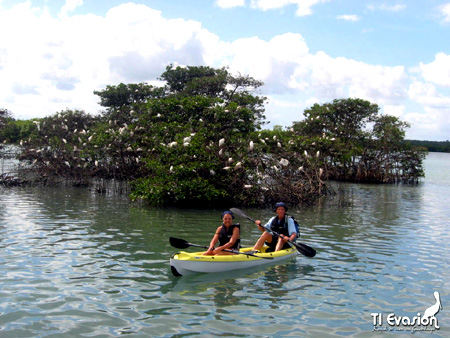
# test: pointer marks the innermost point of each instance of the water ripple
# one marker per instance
(75, 264)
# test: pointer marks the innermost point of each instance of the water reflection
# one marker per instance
(76, 263)
(274, 276)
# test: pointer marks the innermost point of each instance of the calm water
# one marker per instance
(77, 264)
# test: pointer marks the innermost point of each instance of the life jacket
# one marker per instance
(278, 226)
(282, 226)
(226, 234)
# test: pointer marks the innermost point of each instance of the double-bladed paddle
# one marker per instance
(302, 248)
(182, 244)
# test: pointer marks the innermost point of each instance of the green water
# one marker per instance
(77, 264)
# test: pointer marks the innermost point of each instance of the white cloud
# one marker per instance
(49, 63)
(273, 62)
(70, 6)
(395, 110)
(432, 124)
(388, 8)
(303, 6)
(230, 3)
(349, 17)
(289, 70)
(438, 71)
(341, 77)
(285, 65)
(393, 8)
(428, 95)
(65, 59)
(445, 12)
(284, 109)
(142, 42)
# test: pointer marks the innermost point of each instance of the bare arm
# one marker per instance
(260, 227)
(233, 239)
(213, 243)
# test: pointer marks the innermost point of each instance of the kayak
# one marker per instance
(187, 263)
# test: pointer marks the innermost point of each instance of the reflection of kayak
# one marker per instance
(186, 263)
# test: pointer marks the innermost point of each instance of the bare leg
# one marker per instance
(279, 244)
(265, 237)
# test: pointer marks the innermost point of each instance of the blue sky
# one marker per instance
(54, 54)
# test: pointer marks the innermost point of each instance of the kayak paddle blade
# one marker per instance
(179, 243)
(305, 249)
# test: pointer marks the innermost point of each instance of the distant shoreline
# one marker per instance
(432, 146)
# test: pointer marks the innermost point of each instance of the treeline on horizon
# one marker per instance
(431, 146)
(199, 140)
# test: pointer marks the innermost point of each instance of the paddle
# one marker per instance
(302, 248)
(182, 244)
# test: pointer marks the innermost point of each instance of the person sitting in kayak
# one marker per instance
(228, 236)
(277, 224)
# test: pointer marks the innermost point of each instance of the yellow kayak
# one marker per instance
(186, 263)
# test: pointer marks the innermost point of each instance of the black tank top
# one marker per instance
(226, 234)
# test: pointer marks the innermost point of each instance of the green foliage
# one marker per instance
(4, 116)
(194, 81)
(343, 118)
(197, 141)
(182, 186)
(55, 145)
(15, 130)
(231, 91)
(122, 100)
(184, 160)
(389, 132)
(359, 144)
(122, 95)
(185, 163)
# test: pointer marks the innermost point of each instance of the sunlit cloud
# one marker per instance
(445, 12)
(349, 17)
(388, 8)
(438, 71)
(230, 3)
(48, 64)
(304, 7)
(52, 62)
(428, 95)
(395, 110)
(70, 6)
